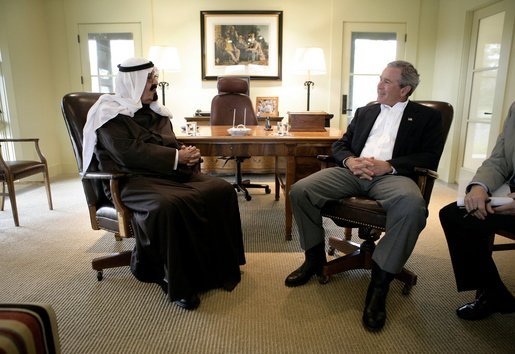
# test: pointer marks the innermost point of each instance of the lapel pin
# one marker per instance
(410, 119)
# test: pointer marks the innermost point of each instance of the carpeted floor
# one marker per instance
(47, 259)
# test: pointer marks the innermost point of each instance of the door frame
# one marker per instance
(85, 28)
(461, 174)
(378, 27)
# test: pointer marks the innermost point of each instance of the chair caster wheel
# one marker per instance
(100, 275)
(323, 279)
(268, 190)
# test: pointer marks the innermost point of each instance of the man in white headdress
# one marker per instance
(187, 225)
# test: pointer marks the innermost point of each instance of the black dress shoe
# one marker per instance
(302, 274)
(190, 303)
(374, 315)
(314, 263)
(485, 306)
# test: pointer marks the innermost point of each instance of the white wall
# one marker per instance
(39, 38)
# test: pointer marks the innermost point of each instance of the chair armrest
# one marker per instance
(326, 160)
(104, 175)
(425, 181)
(35, 141)
(420, 171)
(124, 214)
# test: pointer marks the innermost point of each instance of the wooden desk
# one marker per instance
(255, 165)
(299, 149)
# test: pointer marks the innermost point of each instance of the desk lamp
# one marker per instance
(166, 59)
(309, 61)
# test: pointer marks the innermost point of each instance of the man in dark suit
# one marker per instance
(468, 230)
(376, 158)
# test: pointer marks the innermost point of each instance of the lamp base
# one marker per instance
(163, 85)
(308, 83)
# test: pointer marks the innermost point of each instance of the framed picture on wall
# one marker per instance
(267, 106)
(241, 43)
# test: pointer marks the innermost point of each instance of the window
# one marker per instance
(367, 48)
(102, 48)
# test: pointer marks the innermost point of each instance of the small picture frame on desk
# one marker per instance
(267, 106)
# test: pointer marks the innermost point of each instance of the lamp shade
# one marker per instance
(165, 58)
(309, 61)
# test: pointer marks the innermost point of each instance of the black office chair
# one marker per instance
(228, 107)
(369, 217)
(103, 214)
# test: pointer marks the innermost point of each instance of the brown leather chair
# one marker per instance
(13, 170)
(369, 218)
(103, 214)
(232, 97)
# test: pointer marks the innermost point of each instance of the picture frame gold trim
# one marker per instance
(241, 43)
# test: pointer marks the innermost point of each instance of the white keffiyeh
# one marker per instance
(126, 101)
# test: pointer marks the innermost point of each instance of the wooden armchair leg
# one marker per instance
(14, 207)
(3, 197)
(48, 192)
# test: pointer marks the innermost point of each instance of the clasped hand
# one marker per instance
(189, 155)
(368, 167)
(476, 204)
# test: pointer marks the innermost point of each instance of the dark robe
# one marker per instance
(187, 225)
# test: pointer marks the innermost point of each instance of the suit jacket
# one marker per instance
(419, 143)
(499, 167)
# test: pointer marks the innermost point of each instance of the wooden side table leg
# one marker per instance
(290, 177)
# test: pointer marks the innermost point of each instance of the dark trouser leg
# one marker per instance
(468, 240)
(469, 246)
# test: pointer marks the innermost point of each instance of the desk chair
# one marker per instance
(369, 217)
(232, 97)
(11, 171)
(103, 214)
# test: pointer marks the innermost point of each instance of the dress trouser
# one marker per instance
(469, 246)
(405, 207)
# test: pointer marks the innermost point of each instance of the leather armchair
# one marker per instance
(104, 214)
(369, 217)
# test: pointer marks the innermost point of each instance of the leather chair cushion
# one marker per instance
(107, 218)
(361, 210)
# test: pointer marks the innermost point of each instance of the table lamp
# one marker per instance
(166, 59)
(309, 61)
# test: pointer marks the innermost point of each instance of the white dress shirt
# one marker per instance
(382, 137)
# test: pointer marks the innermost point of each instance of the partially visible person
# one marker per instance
(186, 224)
(376, 157)
(468, 230)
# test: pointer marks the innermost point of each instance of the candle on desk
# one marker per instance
(234, 117)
